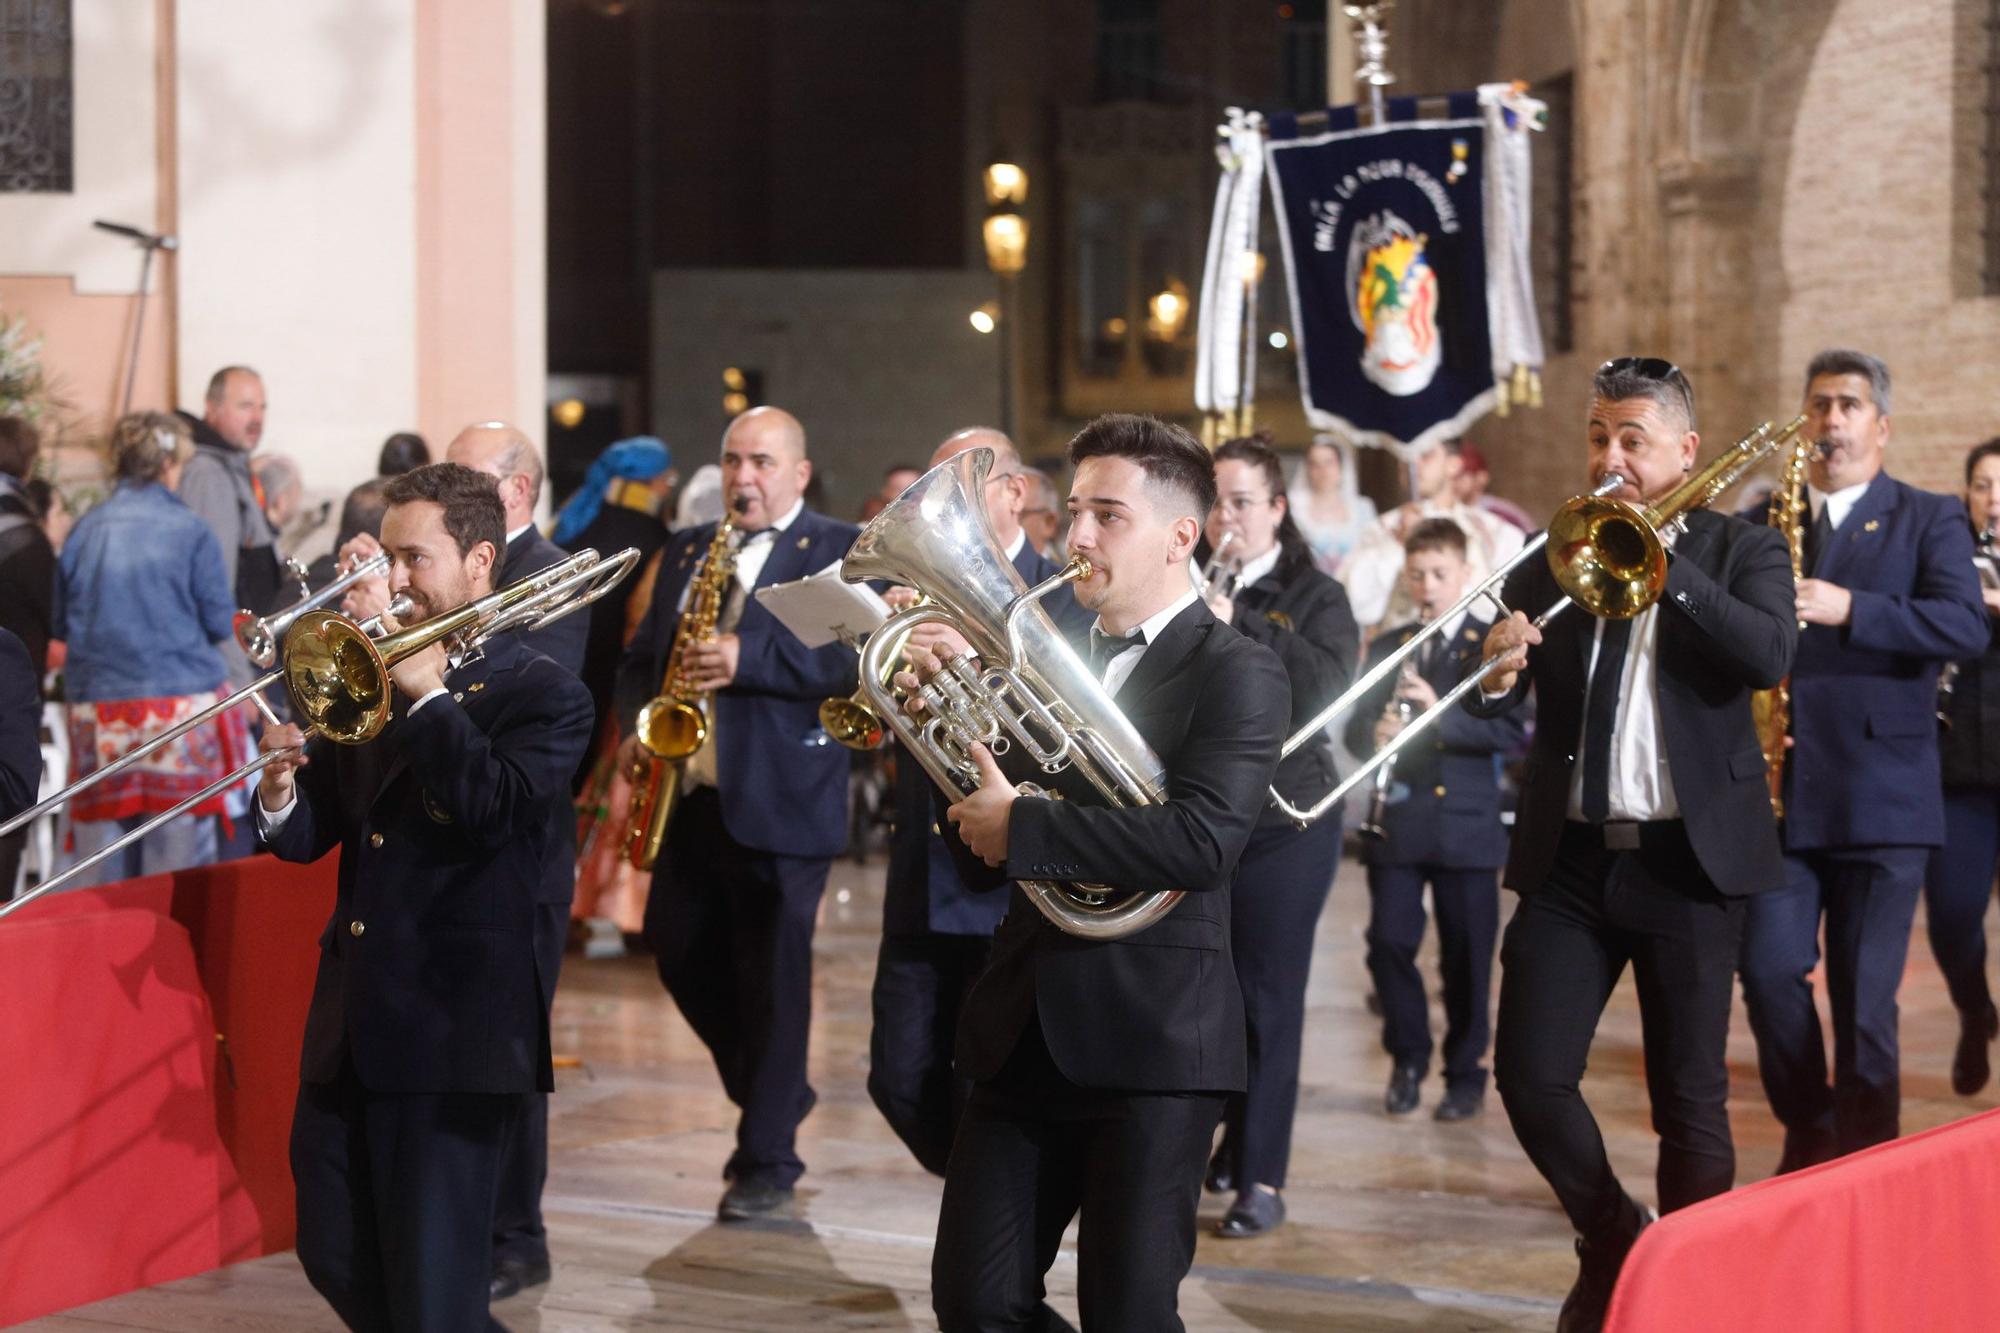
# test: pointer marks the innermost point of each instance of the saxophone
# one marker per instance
(1772, 708)
(674, 723)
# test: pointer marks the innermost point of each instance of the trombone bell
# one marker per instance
(1607, 557)
(337, 677)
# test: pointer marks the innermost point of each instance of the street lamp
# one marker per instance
(1006, 235)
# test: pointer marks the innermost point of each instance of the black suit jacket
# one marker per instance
(1444, 800)
(1728, 627)
(1301, 613)
(1159, 1010)
(923, 893)
(429, 975)
(1863, 770)
(562, 640)
(20, 730)
(783, 781)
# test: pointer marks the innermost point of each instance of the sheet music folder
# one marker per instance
(820, 609)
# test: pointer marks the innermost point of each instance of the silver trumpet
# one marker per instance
(261, 636)
(1029, 687)
(1218, 576)
(1372, 829)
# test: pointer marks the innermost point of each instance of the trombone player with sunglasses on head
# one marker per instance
(1644, 820)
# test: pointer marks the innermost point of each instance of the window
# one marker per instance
(1129, 51)
(35, 97)
(1302, 53)
(1551, 253)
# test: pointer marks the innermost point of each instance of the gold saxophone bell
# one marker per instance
(671, 728)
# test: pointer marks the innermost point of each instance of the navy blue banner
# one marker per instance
(1384, 233)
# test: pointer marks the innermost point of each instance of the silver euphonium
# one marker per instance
(1029, 686)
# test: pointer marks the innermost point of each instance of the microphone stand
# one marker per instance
(147, 243)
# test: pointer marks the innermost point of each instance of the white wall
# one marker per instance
(297, 190)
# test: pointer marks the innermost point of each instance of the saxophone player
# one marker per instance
(1100, 1066)
(1444, 831)
(763, 805)
(1889, 595)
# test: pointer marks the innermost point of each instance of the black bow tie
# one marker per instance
(1104, 647)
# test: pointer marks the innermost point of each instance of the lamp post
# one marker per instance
(1006, 235)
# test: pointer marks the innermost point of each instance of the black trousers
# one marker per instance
(920, 986)
(731, 930)
(395, 1202)
(1275, 897)
(1468, 921)
(1033, 1150)
(1868, 896)
(1564, 950)
(518, 1232)
(1958, 888)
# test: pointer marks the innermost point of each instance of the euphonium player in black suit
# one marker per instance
(429, 1025)
(1276, 595)
(1100, 1066)
(936, 931)
(1440, 827)
(1644, 823)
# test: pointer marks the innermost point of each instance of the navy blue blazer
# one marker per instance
(1444, 800)
(923, 894)
(1863, 770)
(20, 730)
(783, 781)
(430, 971)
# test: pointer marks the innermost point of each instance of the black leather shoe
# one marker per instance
(511, 1276)
(1969, 1069)
(1256, 1211)
(1807, 1147)
(747, 1199)
(1401, 1098)
(1461, 1104)
(1220, 1179)
(1598, 1260)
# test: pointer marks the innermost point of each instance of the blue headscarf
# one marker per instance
(640, 458)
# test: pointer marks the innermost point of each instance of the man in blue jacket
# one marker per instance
(763, 806)
(1889, 595)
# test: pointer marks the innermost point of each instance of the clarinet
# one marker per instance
(1372, 829)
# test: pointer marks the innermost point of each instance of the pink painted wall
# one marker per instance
(84, 340)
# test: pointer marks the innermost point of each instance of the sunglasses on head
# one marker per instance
(1649, 367)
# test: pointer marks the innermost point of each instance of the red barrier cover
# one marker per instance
(1901, 1236)
(151, 1055)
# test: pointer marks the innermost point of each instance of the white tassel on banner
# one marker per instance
(1223, 386)
(1516, 330)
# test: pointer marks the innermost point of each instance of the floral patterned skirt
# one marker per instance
(101, 732)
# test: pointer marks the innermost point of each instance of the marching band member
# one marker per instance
(429, 1028)
(935, 931)
(1890, 595)
(1958, 881)
(1446, 832)
(1644, 824)
(1278, 597)
(763, 809)
(1100, 1066)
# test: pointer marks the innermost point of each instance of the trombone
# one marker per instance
(260, 636)
(337, 677)
(1608, 556)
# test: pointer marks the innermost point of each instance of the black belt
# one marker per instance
(1629, 835)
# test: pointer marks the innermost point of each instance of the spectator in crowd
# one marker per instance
(1473, 479)
(1042, 516)
(52, 509)
(142, 601)
(700, 500)
(1325, 504)
(405, 451)
(896, 479)
(360, 513)
(27, 583)
(218, 487)
(1374, 571)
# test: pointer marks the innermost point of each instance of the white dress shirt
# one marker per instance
(757, 548)
(515, 533)
(1256, 569)
(1836, 504)
(1641, 785)
(1014, 547)
(1119, 669)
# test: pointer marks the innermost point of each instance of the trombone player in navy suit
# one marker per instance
(1645, 822)
(1100, 1066)
(429, 1025)
(935, 931)
(1890, 595)
(1278, 597)
(763, 809)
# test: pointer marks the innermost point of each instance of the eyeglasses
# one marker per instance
(1649, 367)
